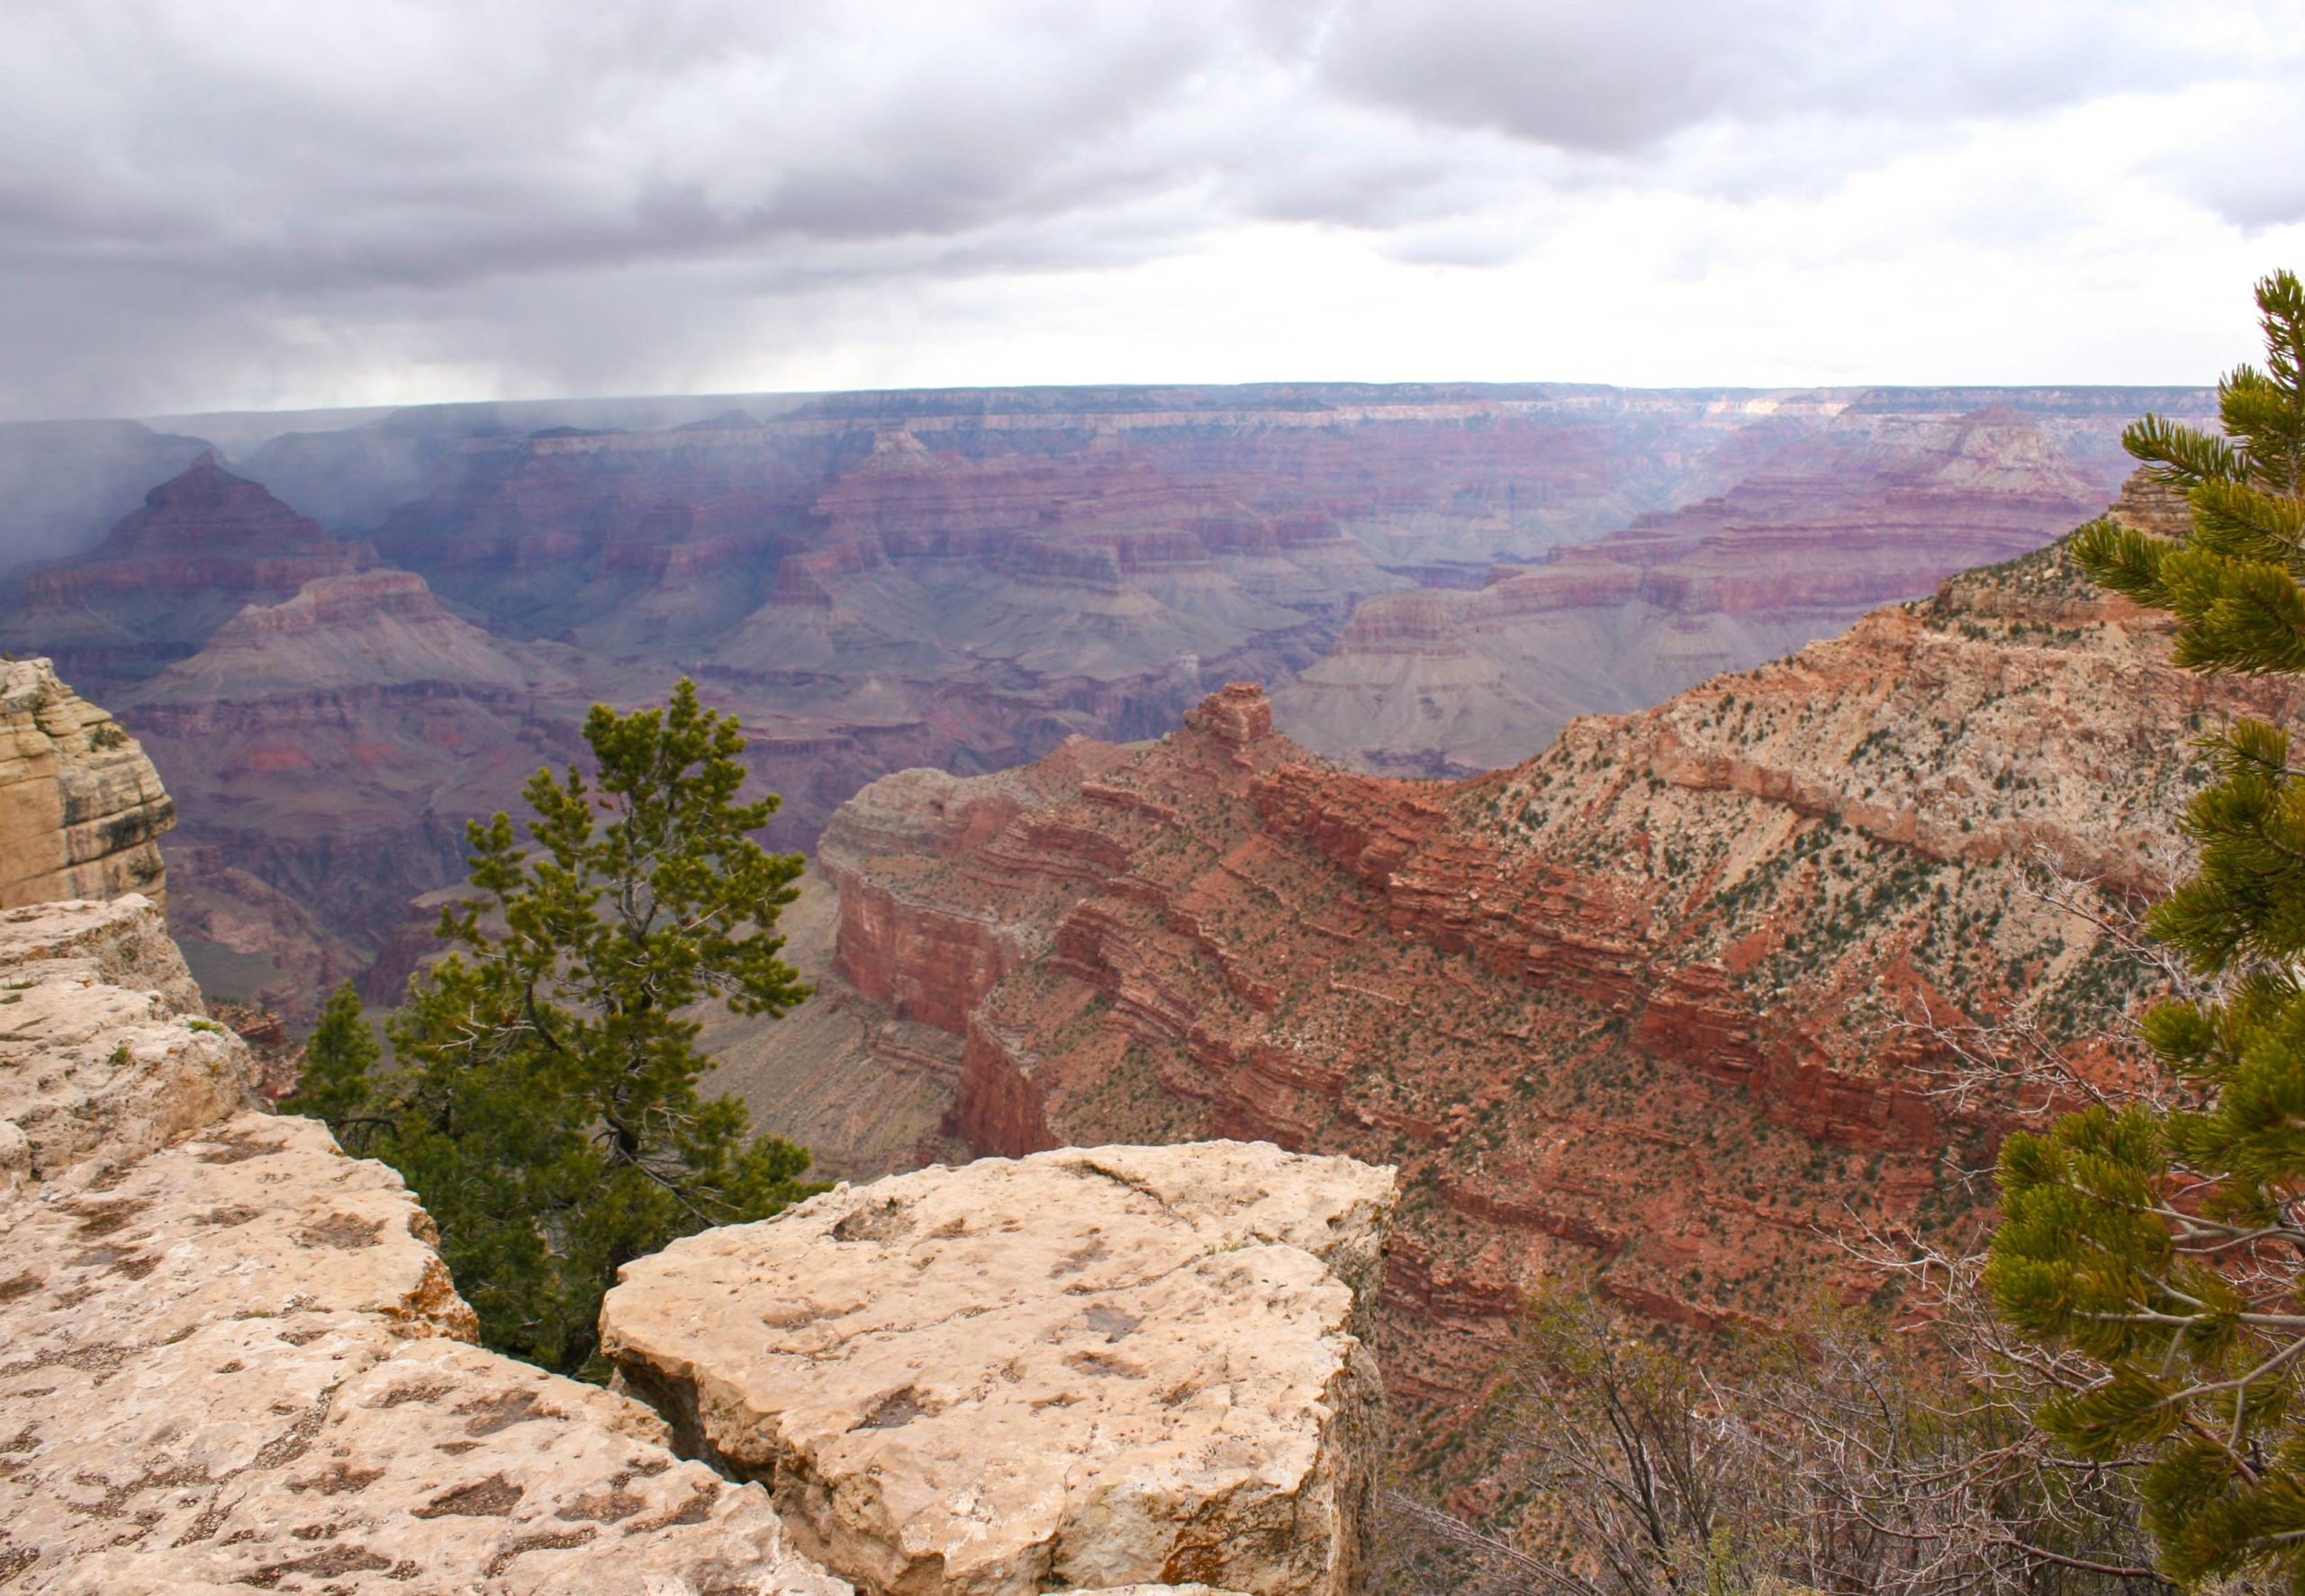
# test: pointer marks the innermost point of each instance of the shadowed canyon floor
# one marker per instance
(1639, 1011)
(359, 637)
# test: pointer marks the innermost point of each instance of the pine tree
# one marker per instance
(543, 1097)
(2159, 1253)
(339, 1058)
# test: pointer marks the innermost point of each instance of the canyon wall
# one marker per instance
(1653, 1009)
(1872, 508)
(204, 543)
(326, 751)
(964, 581)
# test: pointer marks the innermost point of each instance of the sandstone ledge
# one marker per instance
(234, 1360)
(1090, 1368)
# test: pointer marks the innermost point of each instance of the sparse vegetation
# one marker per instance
(1831, 1457)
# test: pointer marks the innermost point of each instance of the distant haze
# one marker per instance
(260, 206)
(64, 484)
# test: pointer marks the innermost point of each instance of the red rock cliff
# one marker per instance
(1637, 1010)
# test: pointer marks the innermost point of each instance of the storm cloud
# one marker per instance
(252, 204)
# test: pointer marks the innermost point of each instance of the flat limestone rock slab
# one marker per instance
(100, 1064)
(1089, 1367)
(232, 1358)
(321, 1451)
(122, 941)
(256, 1215)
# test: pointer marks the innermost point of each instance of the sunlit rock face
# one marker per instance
(81, 808)
(235, 1359)
(1089, 1367)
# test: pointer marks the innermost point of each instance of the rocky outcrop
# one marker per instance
(81, 808)
(920, 959)
(234, 1357)
(1653, 1009)
(1085, 1368)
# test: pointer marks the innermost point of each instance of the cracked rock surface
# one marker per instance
(231, 1360)
(1087, 1367)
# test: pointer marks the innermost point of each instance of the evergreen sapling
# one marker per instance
(543, 1095)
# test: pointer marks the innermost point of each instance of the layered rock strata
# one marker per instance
(328, 750)
(1666, 1008)
(922, 959)
(964, 580)
(81, 808)
(1088, 1368)
(234, 1358)
(204, 543)
(1874, 507)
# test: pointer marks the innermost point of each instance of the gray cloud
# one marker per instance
(1618, 77)
(202, 202)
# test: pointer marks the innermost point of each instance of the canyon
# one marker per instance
(1672, 1009)
(1669, 1003)
(1431, 577)
(236, 1358)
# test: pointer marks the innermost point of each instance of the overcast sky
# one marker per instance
(288, 202)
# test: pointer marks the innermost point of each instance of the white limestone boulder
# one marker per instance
(1087, 1367)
